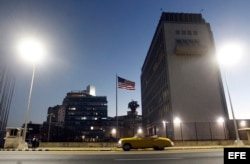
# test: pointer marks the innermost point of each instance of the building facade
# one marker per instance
(84, 114)
(128, 125)
(7, 83)
(181, 86)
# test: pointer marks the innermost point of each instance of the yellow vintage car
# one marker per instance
(136, 142)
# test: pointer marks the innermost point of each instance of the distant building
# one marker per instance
(129, 125)
(181, 85)
(56, 115)
(91, 90)
(81, 117)
(7, 83)
(84, 117)
(53, 128)
(33, 130)
(84, 114)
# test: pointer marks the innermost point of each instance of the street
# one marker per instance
(214, 156)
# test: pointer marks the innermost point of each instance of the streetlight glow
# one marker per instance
(113, 132)
(177, 120)
(220, 120)
(31, 49)
(139, 131)
(230, 53)
(243, 123)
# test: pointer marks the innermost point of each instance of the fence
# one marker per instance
(198, 131)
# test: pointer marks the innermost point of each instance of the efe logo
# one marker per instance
(239, 155)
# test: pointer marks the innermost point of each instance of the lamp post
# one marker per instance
(164, 124)
(238, 142)
(227, 56)
(31, 50)
(50, 116)
(28, 106)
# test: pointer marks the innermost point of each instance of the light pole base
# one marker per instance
(22, 145)
(239, 143)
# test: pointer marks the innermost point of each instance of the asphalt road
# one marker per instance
(214, 156)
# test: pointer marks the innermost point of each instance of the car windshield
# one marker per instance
(138, 136)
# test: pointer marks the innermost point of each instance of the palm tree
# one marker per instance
(133, 105)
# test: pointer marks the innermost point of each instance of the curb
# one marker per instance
(24, 149)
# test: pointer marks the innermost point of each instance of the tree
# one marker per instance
(133, 105)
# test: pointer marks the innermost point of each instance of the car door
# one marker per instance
(141, 142)
(147, 142)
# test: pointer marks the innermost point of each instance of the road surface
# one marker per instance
(214, 156)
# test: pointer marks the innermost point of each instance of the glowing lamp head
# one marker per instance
(31, 49)
(177, 120)
(230, 53)
(220, 120)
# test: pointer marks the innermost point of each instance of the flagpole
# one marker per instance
(116, 109)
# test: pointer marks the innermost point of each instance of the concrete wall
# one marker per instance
(77, 144)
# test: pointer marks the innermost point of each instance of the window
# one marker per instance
(83, 118)
(72, 108)
(13, 132)
(195, 33)
(196, 42)
(185, 42)
(178, 41)
(190, 42)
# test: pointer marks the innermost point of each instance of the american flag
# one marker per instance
(125, 84)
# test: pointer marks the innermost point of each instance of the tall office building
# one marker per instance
(85, 115)
(7, 83)
(181, 87)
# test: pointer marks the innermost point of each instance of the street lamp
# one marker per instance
(31, 50)
(50, 116)
(227, 56)
(220, 122)
(113, 132)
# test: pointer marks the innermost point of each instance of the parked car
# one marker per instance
(136, 142)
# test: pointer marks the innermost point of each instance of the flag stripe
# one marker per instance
(125, 84)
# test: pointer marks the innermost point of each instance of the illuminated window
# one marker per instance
(72, 108)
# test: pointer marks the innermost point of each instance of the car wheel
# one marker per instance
(160, 148)
(126, 147)
(156, 148)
